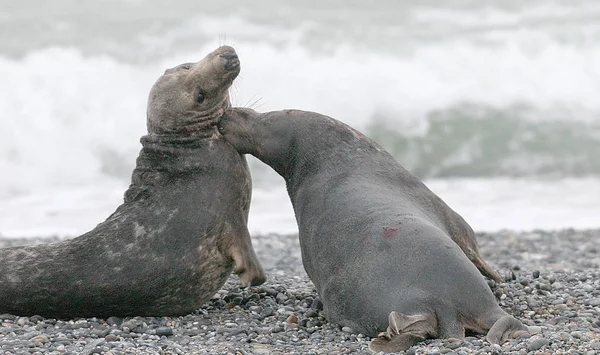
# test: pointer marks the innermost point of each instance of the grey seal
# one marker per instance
(387, 256)
(180, 231)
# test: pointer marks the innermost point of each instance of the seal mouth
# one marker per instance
(232, 61)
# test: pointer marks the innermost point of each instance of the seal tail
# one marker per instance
(487, 270)
(482, 266)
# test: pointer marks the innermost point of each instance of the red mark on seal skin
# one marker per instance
(390, 232)
(356, 133)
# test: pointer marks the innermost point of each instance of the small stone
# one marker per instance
(36, 318)
(593, 302)
(7, 316)
(291, 326)
(268, 290)
(166, 331)
(237, 331)
(276, 329)
(40, 338)
(22, 321)
(453, 343)
(534, 329)
(292, 319)
(311, 314)
(267, 312)
(495, 349)
(255, 309)
(111, 337)
(317, 305)
(347, 330)
(281, 297)
(114, 321)
(130, 324)
(536, 344)
(536, 274)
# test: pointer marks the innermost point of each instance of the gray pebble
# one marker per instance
(536, 344)
(593, 302)
(166, 331)
(114, 321)
(267, 312)
(555, 296)
(317, 304)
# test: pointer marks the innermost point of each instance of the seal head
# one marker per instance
(192, 96)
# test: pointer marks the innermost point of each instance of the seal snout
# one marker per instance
(231, 58)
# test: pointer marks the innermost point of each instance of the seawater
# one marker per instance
(493, 104)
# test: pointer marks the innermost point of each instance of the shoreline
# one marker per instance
(552, 285)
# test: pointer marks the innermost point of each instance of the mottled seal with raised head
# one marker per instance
(383, 251)
(180, 231)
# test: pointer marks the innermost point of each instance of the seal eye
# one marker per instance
(200, 98)
(185, 66)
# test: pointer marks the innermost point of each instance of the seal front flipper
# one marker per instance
(505, 328)
(247, 266)
(404, 331)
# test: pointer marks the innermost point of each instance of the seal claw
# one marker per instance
(505, 328)
(248, 268)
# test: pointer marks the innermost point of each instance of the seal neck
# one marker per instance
(177, 153)
(172, 158)
(180, 140)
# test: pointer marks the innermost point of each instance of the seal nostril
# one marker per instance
(228, 55)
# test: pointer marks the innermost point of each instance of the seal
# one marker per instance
(387, 256)
(180, 231)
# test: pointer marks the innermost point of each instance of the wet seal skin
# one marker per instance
(180, 231)
(387, 256)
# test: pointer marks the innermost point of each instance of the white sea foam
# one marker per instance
(68, 118)
(487, 205)
(71, 115)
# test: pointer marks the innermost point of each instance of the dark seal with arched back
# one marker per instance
(180, 231)
(384, 252)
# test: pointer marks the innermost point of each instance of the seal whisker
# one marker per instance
(222, 39)
(247, 104)
(254, 105)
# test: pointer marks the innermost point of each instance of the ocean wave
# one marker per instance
(475, 140)
(68, 119)
(71, 117)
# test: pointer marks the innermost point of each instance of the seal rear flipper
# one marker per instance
(404, 331)
(505, 328)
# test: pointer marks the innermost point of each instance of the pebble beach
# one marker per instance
(552, 285)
